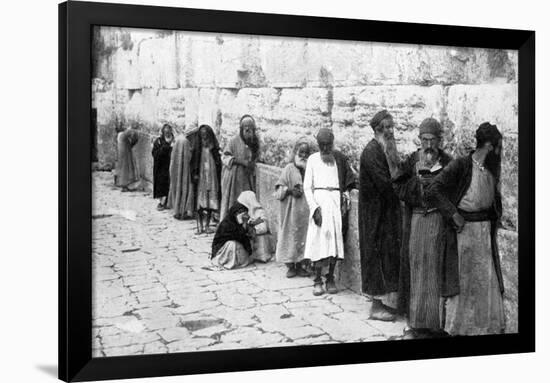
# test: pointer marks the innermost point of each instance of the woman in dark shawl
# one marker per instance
(162, 149)
(231, 247)
(206, 168)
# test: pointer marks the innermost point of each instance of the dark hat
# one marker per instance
(378, 117)
(325, 134)
(431, 126)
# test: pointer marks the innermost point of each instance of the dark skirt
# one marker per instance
(161, 168)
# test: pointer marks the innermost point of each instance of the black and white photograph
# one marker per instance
(275, 192)
(257, 191)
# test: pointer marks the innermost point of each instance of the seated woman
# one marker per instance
(262, 245)
(231, 247)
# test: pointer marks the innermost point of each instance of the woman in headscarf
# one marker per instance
(181, 196)
(262, 245)
(127, 172)
(162, 149)
(231, 247)
(206, 168)
(239, 163)
(294, 213)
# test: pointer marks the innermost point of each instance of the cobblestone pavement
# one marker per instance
(153, 291)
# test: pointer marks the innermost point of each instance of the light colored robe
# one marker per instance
(181, 196)
(293, 217)
(127, 170)
(235, 178)
(327, 240)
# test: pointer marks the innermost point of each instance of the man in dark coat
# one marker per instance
(423, 238)
(467, 194)
(379, 219)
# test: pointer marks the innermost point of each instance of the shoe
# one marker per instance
(318, 289)
(383, 316)
(160, 207)
(331, 286)
(301, 271)
(291, 272)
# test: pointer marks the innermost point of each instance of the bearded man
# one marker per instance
(328, 181)
(467, 192)
(424, 233)
(294, 212)
(380, 219)
(239, 164)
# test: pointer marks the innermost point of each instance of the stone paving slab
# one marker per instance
(155, 291)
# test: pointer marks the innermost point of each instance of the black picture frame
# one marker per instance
(76, 20)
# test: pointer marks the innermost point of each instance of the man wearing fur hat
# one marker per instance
(424, 233)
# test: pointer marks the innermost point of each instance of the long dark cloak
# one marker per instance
(161, 167)
(379, 223)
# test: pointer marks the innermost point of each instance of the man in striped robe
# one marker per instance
(424, 229)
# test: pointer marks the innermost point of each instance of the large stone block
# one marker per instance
(468, 106)
(304, 108)
(350, 63)
(156, 58)
(409, 105)
(205, 59)
(126, 74)
(171, 107)
(336, 63)
(508, 248)
(142, 107)
(184, 58)
(208, 107)
(283, 61)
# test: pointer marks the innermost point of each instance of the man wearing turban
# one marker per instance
(379, 219)
(327, 182)
(424, 231)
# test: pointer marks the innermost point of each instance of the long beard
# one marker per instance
(328, 159)
(429, 157)
(390, 151)
(492, 162)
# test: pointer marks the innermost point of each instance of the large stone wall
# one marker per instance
(294, 86)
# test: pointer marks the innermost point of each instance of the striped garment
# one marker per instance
(425, 247)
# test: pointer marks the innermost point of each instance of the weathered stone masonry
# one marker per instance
(294, 86)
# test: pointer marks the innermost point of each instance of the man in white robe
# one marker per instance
(324, 240)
